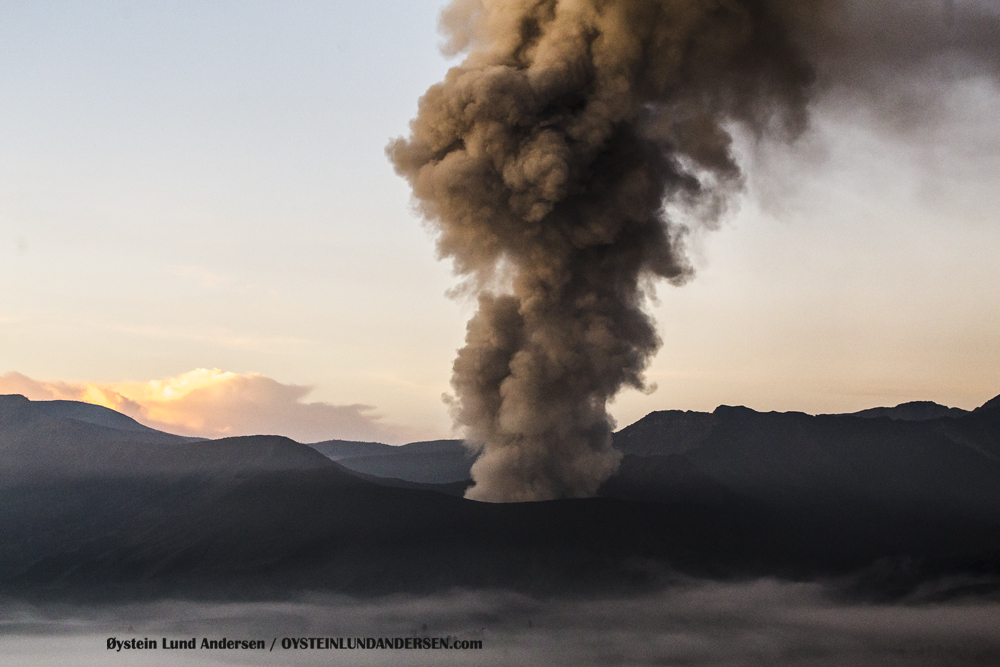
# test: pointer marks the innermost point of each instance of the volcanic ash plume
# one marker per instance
(548, 161)
(545, 160)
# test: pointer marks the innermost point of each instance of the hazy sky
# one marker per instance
(203, 185)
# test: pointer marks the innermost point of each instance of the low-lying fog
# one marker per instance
(756, 623)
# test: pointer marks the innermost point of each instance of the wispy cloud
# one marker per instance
(208, 279)
(215, 336)
(214, 403)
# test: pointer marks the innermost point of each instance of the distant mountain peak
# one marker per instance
(732, 408)
(12, 406)
(992, 404)
(912, 411)
(17, 409)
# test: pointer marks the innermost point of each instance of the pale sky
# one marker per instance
(203, 185)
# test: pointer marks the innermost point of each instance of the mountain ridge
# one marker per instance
(887, 503)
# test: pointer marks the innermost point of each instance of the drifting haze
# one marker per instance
(710, 625)
(558, 162)
(213, 403)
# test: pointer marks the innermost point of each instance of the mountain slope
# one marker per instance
(913, 411)
(85, 511)
(431, 462)
(945, 465)
(18, 413)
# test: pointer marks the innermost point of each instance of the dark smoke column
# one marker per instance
(546, 161)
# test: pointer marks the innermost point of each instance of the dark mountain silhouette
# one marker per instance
(945, 465)
(665, 433)
(431, 462)
(658, 434)
(100, 511)
(343, 450)
(85, 413)
(990, 405)
(89, 413)
(88, 513)
(913, 411)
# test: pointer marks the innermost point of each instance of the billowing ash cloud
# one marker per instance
(550, 159)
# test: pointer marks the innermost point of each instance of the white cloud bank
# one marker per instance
(214, 403)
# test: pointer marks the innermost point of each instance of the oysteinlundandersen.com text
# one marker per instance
(296, 643)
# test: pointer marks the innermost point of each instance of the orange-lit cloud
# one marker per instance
(214, 403)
